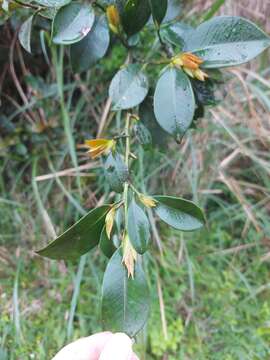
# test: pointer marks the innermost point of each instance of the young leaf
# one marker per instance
(138, 228)
(106, 245)
(125, 301)
(227, 41)
(135, 15)
(174, 102)
(72, 23)
(116, 172)
(128, 88)
(158, 9)
(25, 34)
(79, 238)
(179, 213)
(93, 47)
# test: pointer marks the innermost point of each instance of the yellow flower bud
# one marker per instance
(147, 201)
(129, 257)
(109, 221)
(113, 18)
(190, 63)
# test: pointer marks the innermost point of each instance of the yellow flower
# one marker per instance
(129, 257)
(99, 146)
(190, 63)
(109, 221)
(113, 18)
(147, 201)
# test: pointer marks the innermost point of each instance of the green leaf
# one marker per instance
(106, 245)
(92, 48)
(158, 9)
(25, 34)
(53, 3)
(125, 302)
(116, 172)
(227, 41)
(128, 88)
(174, 102)
(138, 228)
(179, 213)
(79, 238)
(135, 15)
(72, 23)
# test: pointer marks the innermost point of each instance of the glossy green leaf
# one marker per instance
(106, 245)
(128, 88)
(25, 34)
(116, 172)
(227, 41)
(179, 213)
(138, 228)
(135, 15)
(174, 102)
(92, 48)
(72, 23)
(79, 238)
(158, 9)
(53, 3)
(125, 301)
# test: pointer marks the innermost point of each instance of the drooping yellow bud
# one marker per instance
(190, 63)
(147, 201)
(98, 147)
(109, 221)
(129, 257)
(113, 18)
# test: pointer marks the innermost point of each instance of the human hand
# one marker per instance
(101, 346)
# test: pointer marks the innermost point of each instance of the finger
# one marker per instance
(118, 347)
(134, 357)
(88, 348)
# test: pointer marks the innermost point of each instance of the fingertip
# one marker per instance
(118, 347)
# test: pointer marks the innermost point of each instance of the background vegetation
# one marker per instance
(210, 290)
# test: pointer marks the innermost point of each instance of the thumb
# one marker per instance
(119, 347)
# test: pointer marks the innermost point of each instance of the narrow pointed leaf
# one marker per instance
(79, 238)
(179, 213)
(125, 301)
(138, 228)
(158, 9)
(128, 88)
(174, 102)
(227, 41)
(92, 48)
(25, 34)
(72, 23)
(116, 172)
(106, 245)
